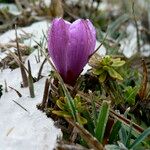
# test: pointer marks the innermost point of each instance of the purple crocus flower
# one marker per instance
(70, 45)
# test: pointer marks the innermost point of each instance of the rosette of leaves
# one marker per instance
(64, 110)
(107, 67)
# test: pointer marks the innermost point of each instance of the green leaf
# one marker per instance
(106, 60)
(61, 113)
(103, 76)
(118, 63)
(102, 120)
(113, 73)
(140, 138)
(129, 136)
(98, 71)
(123, 134)
(69, 99)
(81, 120)
(90, 121)
(113, 27)
(130, 94)
(114, 147)
(60, 104)
(114, 133)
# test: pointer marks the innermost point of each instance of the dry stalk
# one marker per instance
(143, 90)
(36, 59)
(6, 89)
(20, 106)
(45, 95)
(137, 29)
(40, 70)
(30, 81)
(23, 72)
(56, 8)
(18, 93)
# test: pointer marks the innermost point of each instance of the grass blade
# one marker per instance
(102, 120)
(114, 133)
(123, 134)
(113, 27)
(140, 138)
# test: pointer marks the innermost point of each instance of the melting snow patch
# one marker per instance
(22, 130)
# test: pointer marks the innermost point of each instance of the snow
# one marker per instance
(145, 50)
(20, 129)
(25, 130)
(47, 2)
(128, 45)
(36, 31)
(12, 8)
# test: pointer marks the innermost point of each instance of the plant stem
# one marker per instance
(23, 72)
(30, 81)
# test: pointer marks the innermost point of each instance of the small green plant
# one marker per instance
(66, 112)
(107, 67)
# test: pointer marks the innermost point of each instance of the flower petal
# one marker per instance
(82, 40)
(57, 44)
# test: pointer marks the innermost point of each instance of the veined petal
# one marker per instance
(82, 39)
(92, 36)
(58, 37)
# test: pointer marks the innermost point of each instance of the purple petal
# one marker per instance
(57, 44)
(92, 35)
(82, 39)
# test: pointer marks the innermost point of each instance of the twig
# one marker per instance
(20, 106)
(30, 81)
(38, 55)
(56, 8)
(6, 89)
(61, 146)
(9, 131)
(45, 36)
(99, 46)
(142, 92)
(137, 29)
(68, 12)
(23, 73)
(45, 95)
(36, 59)
(17, 60)
(40, 70)
(13, 44)
(19, 94)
